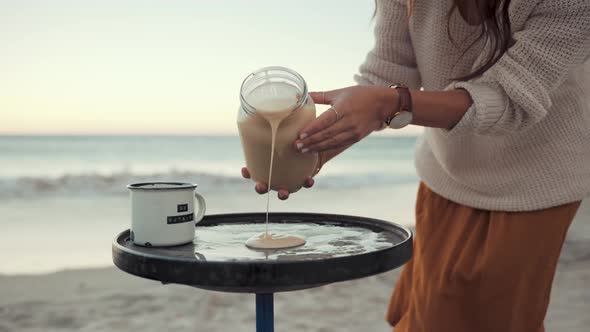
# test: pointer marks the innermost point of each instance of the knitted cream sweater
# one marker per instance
(525, 142)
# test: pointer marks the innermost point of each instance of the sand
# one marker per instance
(106, 299)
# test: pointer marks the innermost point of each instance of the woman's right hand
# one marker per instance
(283, 194)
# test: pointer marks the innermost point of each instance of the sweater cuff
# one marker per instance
(489, 104)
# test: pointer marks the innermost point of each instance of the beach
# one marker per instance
(98, 95)
(106, 299)
(56, 271)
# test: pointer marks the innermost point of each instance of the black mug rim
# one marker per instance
(181, 185)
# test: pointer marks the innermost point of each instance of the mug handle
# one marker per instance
(202, 207)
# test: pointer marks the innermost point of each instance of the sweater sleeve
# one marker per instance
(515, 93)
(392, 59)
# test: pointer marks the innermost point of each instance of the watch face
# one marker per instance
(401, 120)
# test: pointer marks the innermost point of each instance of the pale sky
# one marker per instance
(164, 67)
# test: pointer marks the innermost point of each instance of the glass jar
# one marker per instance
(275, 95)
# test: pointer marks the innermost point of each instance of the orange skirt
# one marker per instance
(476, 270)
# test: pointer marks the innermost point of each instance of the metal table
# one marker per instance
(338, 248)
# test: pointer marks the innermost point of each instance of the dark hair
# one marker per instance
(493, 18)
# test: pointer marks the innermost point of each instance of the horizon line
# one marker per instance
(161, 135)
(8, 135)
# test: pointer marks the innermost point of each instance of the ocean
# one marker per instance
(63, 198)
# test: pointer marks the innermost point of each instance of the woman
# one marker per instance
(505, 156)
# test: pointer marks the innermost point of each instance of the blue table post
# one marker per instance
(265, 321)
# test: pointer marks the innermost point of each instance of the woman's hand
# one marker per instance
(283, 194)
(356, 112)
(359, 111)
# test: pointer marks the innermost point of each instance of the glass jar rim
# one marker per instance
(249, 109)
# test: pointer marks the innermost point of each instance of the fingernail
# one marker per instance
(303, 136)
(304, 150)
(299, 146)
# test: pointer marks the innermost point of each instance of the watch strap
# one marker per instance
(405, 98)
(404, 101)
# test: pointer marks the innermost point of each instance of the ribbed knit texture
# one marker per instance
(525, 142)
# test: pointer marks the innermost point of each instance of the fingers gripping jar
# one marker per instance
(275, 101)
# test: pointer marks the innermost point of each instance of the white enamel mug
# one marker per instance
(163, 213)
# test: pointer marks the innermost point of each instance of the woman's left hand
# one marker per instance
(356, 112)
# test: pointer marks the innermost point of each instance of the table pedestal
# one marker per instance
(264, 313)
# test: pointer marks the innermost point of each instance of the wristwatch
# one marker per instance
(403, 115)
